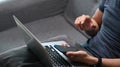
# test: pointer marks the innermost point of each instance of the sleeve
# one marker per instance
(101, 5)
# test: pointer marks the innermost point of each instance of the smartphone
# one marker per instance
(65, 49)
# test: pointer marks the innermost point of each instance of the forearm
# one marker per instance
(106, 62)
(98, 17)
(84, 57)
(110, 62)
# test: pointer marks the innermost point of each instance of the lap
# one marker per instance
(23, 57)
(19, 57)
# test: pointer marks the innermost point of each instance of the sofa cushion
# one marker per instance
(28, 10)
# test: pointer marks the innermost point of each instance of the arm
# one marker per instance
(84, 57)
(98, 17)
(110, 62)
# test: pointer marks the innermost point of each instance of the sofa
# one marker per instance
(45, 19)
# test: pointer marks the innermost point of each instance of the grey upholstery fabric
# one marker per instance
(28, 10)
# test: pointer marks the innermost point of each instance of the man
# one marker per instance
(104, 28)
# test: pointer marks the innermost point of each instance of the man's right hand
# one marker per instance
(85, 23)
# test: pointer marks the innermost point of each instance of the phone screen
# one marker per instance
(65, 49)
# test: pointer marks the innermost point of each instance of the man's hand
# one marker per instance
(85, 23)
(82, 56)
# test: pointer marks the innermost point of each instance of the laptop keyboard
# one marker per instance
(55, 57)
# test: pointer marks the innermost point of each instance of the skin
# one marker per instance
(91, 26)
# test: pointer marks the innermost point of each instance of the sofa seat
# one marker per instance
(42, 29)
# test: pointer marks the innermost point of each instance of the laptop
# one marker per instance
(46, 52)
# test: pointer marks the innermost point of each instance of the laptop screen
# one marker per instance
(34, 44)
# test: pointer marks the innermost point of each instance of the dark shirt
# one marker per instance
(107, 41)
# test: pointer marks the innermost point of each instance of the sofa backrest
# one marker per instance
(28, 10)
(77, 8)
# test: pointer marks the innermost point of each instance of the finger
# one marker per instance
(65, 44)
(77, 22)
(76, 54)
(71, 53)
(86, 21)
(83, 22)
(83, 19)
(82, 25)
